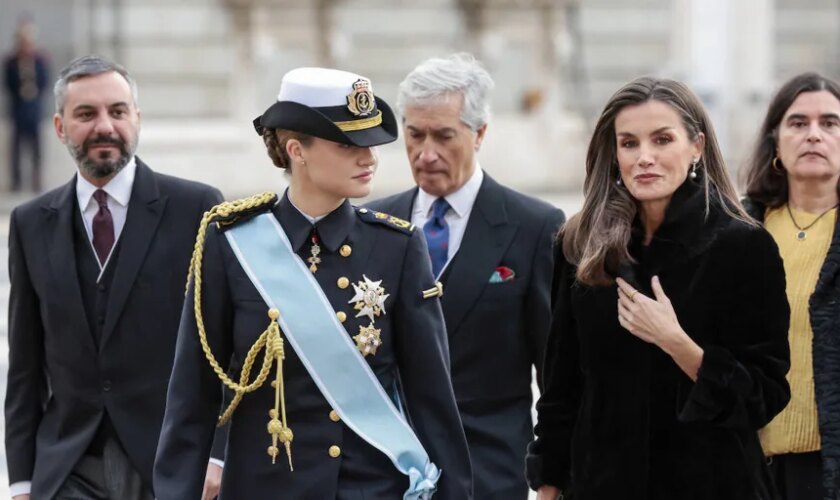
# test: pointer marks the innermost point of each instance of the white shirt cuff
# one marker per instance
(20, 488)
(220, 463)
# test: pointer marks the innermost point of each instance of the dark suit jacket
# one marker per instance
(497, 331)
(59, 385)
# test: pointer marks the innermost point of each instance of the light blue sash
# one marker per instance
(326, 350)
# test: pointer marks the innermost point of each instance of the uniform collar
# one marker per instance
(118, 188)
(333, 228)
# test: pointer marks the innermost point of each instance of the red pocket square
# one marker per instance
(502, 274)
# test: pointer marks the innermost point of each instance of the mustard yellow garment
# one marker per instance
(795, 429)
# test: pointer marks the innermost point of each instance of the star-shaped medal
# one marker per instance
(368, 340)
(369, 299)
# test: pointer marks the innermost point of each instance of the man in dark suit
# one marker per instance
(25, 79)
(491, 247)
(97, 269)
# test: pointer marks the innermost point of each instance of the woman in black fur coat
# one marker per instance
(668, 349)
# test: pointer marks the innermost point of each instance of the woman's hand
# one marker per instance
(654, 320)
(548, 492)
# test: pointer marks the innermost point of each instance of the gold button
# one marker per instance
(334, 416)
(343, 282)
(345, 250)
(335, 451)
(342, 316)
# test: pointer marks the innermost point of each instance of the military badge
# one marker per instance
(361, 102)
(403, 224)
(369, 299)
(314, 251)
(368, 340)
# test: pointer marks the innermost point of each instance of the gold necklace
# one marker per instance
(801, 235)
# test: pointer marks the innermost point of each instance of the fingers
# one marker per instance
(624, 317)
(658, 292)
(625, 288)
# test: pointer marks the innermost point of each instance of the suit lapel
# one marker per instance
(486, 239)
(58, 230)
(404, 205)
(145, 211)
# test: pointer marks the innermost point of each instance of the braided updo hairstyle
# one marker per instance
(275, 143)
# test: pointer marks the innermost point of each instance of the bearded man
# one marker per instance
(97, 269)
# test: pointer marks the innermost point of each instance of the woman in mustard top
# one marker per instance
(792, 186)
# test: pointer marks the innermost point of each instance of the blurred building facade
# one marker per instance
(205, 68)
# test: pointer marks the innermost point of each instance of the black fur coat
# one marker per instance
(618, 418)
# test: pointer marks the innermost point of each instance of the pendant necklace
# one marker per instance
(802, 234)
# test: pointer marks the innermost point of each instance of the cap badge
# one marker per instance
(361, 102)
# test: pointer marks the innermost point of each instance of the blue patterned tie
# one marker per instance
(436, 231)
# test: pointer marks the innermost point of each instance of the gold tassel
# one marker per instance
(270, 339)
(278, 429)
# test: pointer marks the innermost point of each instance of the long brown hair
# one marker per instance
(596, 239)
(765, 183)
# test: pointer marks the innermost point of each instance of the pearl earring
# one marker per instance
(693, 173)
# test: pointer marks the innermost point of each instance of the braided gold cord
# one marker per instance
(270, 339)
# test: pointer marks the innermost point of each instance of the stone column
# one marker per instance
(753, 46)
(724, 51)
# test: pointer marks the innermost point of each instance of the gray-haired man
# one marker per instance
(491, 247)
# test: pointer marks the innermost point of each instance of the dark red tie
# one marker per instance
(103, 227)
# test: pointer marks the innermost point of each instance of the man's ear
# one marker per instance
(58, 124)
(479, 136)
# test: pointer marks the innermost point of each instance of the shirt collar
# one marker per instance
(461, 200)
(333, 228)
(118, 188)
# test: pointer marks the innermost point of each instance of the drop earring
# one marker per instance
(693, 173)
(618, 181)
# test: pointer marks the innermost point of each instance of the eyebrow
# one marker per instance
(800, 116)
(443, 130)
(657, 131)
(90, 106)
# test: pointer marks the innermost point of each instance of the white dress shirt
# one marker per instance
(461, 201)
(312, 220)
(118, 190)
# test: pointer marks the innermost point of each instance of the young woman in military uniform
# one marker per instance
(332, 312)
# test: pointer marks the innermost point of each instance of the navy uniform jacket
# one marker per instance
(413, 356)
(497, 331)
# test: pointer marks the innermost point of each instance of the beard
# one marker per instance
(105, 164)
